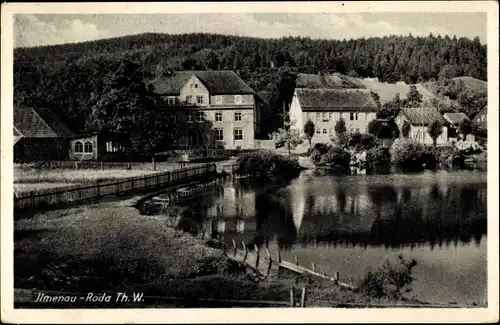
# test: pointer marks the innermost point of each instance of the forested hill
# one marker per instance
(64, 76)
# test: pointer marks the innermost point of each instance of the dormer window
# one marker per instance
(237, 99)
(171, 100)
(189, 99)
(218, 99)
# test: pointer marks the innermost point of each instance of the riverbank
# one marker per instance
(108, 247)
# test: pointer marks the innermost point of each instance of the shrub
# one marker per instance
(362, 141)
(378, 156)
(267, 163)
(391, 280)
(336, 156)
(407, 153)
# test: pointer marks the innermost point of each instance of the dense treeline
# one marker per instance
(68, 77)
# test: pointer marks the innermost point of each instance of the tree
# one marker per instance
(125, 104)
(405, 130)
(309, 131)
(340, 128)
(413, 98)
(435, 130)
(289, 137)
(373, 127)
(466, 127)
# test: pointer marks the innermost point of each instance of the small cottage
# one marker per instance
(420, 118)
(107, 146)
(39, 135)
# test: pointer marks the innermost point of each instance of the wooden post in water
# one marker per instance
(292, 304)
(303, 298)
(235, 247)
(313, 267)
(296, 259)
(268, 255)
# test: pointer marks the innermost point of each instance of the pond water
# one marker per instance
(351, 223)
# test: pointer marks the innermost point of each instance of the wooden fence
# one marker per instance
(82, 192)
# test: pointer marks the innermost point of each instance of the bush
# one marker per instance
(378, 156)
(266, 163)
(336, 156)
(407, 153)
(391, 280)
(362, 141)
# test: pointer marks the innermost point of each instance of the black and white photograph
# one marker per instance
(227, 156)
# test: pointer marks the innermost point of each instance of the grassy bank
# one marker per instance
(107, 247)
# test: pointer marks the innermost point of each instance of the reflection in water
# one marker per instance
(389, 210)
(354, 222)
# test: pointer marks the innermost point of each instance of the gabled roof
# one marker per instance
(39, 122)
(342, 100)
(422, 115)
(455, 118)
(483, 111)
(217, 82)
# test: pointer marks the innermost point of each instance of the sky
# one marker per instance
(49, 29)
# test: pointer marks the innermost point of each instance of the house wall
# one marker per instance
(228, 125)
(326, 120)
(41, 149)
(195, 88)
(420, 132)
(229, 100)
(85, 155)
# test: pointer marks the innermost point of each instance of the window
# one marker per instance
(87, 148)
(330, 116)
(189, 99)
(110, 147)
(171, 100)
(325, 131)
(352, 116)
(195, 85)
(357, 118)
(173, 118)
(318, 116)
(325, 117)
(309, 116)
(237, 116)
(218, 117)
(318, 131)
(200, 116)
(218, 99)
(238, 134)
(237, 99)
(219, 135)
(199, 99)
(189, 117)
(366, 116)
(78, 147)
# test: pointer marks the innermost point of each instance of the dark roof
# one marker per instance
(455, 118)
(336, 100)
(39, 122)
(265, 96)
(422, 115)
(217, 82)
(331, 81)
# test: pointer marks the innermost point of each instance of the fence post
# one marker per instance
(235, 247)
(292, 304)
(246, 252)
(258, 256)
(279, 255)
(269, 268)
(313, 267)
(336, 276)
(267, 254)
(296, 259)
(303, 298)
